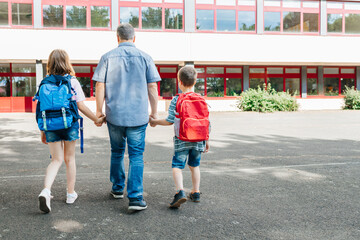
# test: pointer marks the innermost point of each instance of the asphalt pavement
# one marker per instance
(267, 176)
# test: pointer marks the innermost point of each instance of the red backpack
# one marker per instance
(191, 118)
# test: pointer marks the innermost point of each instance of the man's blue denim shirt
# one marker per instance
(126, 71)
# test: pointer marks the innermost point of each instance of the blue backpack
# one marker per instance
(55, 109)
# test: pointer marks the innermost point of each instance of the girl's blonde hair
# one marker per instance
(59, 63)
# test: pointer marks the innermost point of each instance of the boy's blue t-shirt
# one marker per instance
(178, 144)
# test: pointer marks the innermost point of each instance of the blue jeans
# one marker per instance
(193, 157)
(135, 138)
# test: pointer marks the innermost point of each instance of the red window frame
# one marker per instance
(284, 75)
(343, 12)
(83, 3)
(163, 5)
(238, 8)
(11, 75)
(225, 75)
(10, 13)
(167, 75)
(340, 76)
(300, 9)
(313, 75)
(89, 75)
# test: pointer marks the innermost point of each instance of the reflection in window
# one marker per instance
(291, 21)
(23, 68)
(312, 86)
(292, 85)
(257, 70)
(200, 86)
(4, 67)
(168, 87)
(24, 86)
(215, 70)
(75, 17)
(352, 23)
(274, 70)
(215, 87)
(4, 15)
(81, 69)
(130, 15)
(4, 87)
(233, 70)
(246, 21)
(200, 70)
(271, 21)
(100, 16)
(53, 16)
(233, 86)
(151, 17)
(21, 14)
(94, 88)
(331, 70)
(292, 70)
(311, 22)
(205, 19)
(85, 85)
(334, 23)
(173, 18)
(348, 70)
(331, 86)
(225, 20)
(348, 82)
(277, 84)
(256, 83)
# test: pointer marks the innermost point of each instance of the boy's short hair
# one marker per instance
(187, 76)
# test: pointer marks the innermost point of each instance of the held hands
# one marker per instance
(101, 119)
(152, 122)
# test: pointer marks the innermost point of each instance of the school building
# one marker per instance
(309, 48)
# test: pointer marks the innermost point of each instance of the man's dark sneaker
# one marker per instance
(195, 197)
(179, 199)
(137, 205)
(117, 195)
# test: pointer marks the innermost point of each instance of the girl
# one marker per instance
(62, 142)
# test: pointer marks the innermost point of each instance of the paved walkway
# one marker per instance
(267, 176)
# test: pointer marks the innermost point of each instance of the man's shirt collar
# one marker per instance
(130, 44)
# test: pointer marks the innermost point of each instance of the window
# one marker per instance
(100, 17)
(216, 81)
(76, 14)
(291, 16)
(168, 86)
(312, 81)
(84, 74)
(16, 13)
(343, 17)
(163, 15)
(230, 15)
(336, 79)
(17, 80)
(280, 78)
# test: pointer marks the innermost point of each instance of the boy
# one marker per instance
(185, 149)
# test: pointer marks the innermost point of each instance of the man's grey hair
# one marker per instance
(125, 31)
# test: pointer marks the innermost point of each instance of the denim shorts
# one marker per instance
(193, 157)
(70, 134)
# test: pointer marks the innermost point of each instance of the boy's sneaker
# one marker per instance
(195, 197)
(71, 197)
(179, 199)
(137, 205)
(117, 195)
(44, 200)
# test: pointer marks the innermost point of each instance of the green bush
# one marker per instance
(266, 100)
(352, 98)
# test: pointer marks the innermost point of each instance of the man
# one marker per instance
(127, 80)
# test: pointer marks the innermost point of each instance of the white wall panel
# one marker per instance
(88, 46)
